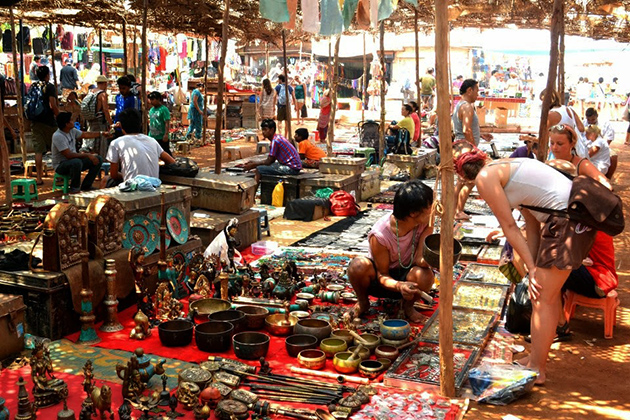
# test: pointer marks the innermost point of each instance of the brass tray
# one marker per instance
(491, 274)
(479, 296)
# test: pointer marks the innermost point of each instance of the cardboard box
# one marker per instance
(500, 117)
(481, 115)
(11, 325)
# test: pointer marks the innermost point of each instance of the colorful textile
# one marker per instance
(292, 6)
(386, 8)
(349, 9)
(285, 153)
(274, 10)
(310, 16)
(332, 21)
(374, 13)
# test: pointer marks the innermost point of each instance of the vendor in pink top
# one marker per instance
(394, 267)
(415, 116)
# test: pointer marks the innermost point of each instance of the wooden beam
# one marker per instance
(418, 85)
(286, 91)
(135, 51)
(364, 82)
(145, 59)
(333, 90)
(100, 48)
(381, 140)
(52, 54)
(219, 124)
(4, 159)
(447, 375)
(543, 134)
(124, 35)
(18, 84)
(205, 96)
(561, 85)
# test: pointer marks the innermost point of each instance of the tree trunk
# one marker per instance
(286, 91)
(52, 54)
(145, 58)
(333, 108)
(19, 84)
(217, 131)
(124, 34)
(364, 82)
(561, 86)
(205, 96)
(381, 141)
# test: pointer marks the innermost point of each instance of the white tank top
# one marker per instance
(534, 183)
(565, 116)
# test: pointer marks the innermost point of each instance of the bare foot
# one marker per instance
(359, 309)
(411, 313)
(540, 381)
(462, 216)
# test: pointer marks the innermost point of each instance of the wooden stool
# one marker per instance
(232, 151)
(609, 304)
(29, 167)
(182, 147)
(263, 147)
(251, 136)
(23, 191)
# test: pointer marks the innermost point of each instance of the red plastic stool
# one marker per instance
(609, 304)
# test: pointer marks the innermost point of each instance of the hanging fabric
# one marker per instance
(374, 13)
(414, 2)
(310, 16)
(386, 8)
(274, 10)
(363, 14)
(349, 8)
(292, 6)
(332, 21)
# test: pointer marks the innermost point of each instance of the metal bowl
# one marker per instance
(305, 296)
(214, 336)
(386, 363)
(370, 368)
(254, 316)
(349, 297)
(386, 352)
(312, 359)
(251, 345)
(320, 328)
(372, 341)
(431, 250)
(205, 307)
(343, 364)
(395, 329)
(330, 346)
(298, 342)
(275, 324)
(364, 354)
(233, 316)
(176, 333)
(344, 335)
(394, 343)
(335, 287)
(300, 314)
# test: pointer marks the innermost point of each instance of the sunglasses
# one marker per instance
(562, 129)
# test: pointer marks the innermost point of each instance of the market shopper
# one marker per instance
(300, 100)
(66, 160)
(284, 108)
(325, 106)
(44, 125)
(267, 108)
(598, 150)
(283, 158)
(415, 116)
(134, 153)
(427, 89)
(126, 99)
(394, 267)
(406, 122)
(608, 134)
(562, 114)
(102, 120)
(309, 153)
(195, 112)
(159, 121)
(69, 78)
(32, 71)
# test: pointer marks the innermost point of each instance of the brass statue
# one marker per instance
(47, 390)
(88, 376)
(132, 384)
(143, 328)
(203, 287)
(102, 400)
(188, 395)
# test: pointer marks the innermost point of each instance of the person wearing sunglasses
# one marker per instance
(561, 114)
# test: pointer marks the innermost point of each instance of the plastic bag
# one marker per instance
(500, 384)
(180, 97)
(519, 311)
(324, 193)
(277, 195)
(219, 246)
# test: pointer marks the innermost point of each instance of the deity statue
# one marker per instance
(47, 390)
(230, 235)
(143, 328)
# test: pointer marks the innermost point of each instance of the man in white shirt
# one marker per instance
(134, 153)
(66, 160)
(607, 133)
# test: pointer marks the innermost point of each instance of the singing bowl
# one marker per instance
(233, 316)
(344, 335)
(386, 363)
(320, 328)
(276, 326)
(386, 352)
(205, 307)
(372, 341)
(305, 296)
(395, 329)
(364, 353)
(431, 250)
(176, 333)
(343, 364)
(348, 297)
(335, 287)
(394, 343)
(370, 368)
(298, 342)
(254, 316)
(214, 336)
(330, 346)
(300, 314)
(312, 359)
(251, 345)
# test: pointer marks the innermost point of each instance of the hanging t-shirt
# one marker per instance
(274, 10)
(310, 16)
(332, 21)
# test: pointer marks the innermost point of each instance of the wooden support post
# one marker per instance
(267, 60)
(21, 73)
(100, 49)
(286, 91)
(19, 83)
(135, 51)
(447, 376)
(543, 134)
(125, 55)
(329, 61)
(4, 161)
(52, 54)
(364, 82)
(333, 89)
(418, 85)
(205, 96)
(561, 86)
(381, 140)
(224, 41)
(145, 58)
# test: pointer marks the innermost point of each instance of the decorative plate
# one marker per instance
(177, 225)
(156, 218)
(141, 232)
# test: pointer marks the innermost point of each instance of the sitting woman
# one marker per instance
(598, 149)
(550, 253)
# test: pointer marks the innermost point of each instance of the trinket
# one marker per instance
(26, 409)
(88, 333)
(102, 400)
(62, 238)
(230, 409)
(4, 412)
(47, 390)
(223, 388)
(124, 411)
(197, 375)
(246, 397)
(143, 328)
(106, 217)
(188, 394)
(64, 414)
(111, 323)
(202, 412)
(230, 380)
(164, 394)
(211, 396)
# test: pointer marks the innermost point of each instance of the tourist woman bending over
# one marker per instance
(554, 245)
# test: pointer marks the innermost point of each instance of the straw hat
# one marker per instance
(102, 79)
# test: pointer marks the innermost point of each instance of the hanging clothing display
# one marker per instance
(310, 16)
(332, 21)
(374, 13)
(274, 10)
(363, 14)
(386, 8)
(349, 7)
(292, 6)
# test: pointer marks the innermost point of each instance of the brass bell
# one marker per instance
(66, 413)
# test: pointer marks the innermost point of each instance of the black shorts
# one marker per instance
(376, 289)
(581, 282)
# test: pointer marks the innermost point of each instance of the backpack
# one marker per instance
(402, 142)
(519, 311)
(88, 106)
(282, 96)
(342, 203)
(34, 106)
(183, 166)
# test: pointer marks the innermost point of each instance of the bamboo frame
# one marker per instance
(52, 55)
(219, 124)
(418, 86)
(6, 165)
(561, 85)
(335, 81)
(124, 35)
(286, 91)
(364, 82)
(204, 134)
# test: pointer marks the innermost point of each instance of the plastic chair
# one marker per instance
(251, 136)
(263, 223)
(23, 190)
(66, 183)
(609, 304)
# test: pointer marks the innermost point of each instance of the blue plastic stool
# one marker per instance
(66, 183)
(24, 189)
(263, 223)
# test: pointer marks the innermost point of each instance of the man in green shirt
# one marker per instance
(428, 88)
(159, 121)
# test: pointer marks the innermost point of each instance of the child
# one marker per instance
(598, 149)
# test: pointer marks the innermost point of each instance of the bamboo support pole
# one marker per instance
(267, 60)
(19, 83)
(135, 51)
(561, 85)
(418, 86)
(447, 376)
(205, 96)
(543, 135)
(333, 110)
(100, 49)
(52, 55)
(125, 55)
(217, 131)
(364, 82)
(286, 91)
(381, 139)
(145, 57)
(21, 73)
(6, 165)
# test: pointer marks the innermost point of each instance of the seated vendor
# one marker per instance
(309, 153)
(406, 122)
(283, 158)
(394, 267)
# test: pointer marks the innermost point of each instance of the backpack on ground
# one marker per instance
(34, 106)
(89, 104)
(183, 166)
(342, 203)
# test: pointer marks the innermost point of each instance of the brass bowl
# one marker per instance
(395, 329)
(300, 314)
(386, 352)
(254, 316)
(342, 364)
(335, 287)
(386, 363)
(364, 354)
(312, 359)
(305, 296)
(394, 343)
(205, 307)
(344, 335)
(431, 250)
(275, 324)
(298, 342)
(320, 328)
(372, 341)
(349, 297)
(370, 368)
(330, 346)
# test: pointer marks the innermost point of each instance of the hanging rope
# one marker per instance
(437, 209)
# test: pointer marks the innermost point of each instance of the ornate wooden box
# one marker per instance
(62, 237)
(106, 217)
